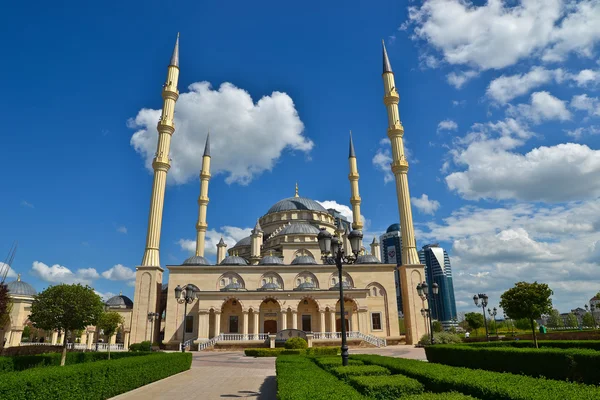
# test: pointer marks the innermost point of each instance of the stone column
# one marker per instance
(283, 320)
(294, 319)
(126, 340)
(363, 321)
(309, 339)
(255, 316)
(217, 327)
(272, 341)
(332, 320)
(15, 338)
(245, 324)
(54, 338)
(354, 322)
(323, 327)
(202, 325)
(90, 340)
(113, 339)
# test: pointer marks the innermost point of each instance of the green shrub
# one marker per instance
(579, 365)
(298, 378)
(482, 384)
(439, 396)
(386, 387)
(144, 346)
(440, 338)
(323, 351)
(296, 343)
(262, 352)
(558, 344)
(331, 362)
(275, 352)
(358, 370)
(98, 380)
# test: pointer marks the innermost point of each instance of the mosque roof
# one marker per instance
(196, 260)
(270, 260)
(233, 286)
(296, 203)
(247, 241)
(20, 288)
(337, 286)
(270, 286)
(303, 260)
(299, 229)
(367, 259)
(119, 301)
(393, 228)
(234, 260)
(306, 286)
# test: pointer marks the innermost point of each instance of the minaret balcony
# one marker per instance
(166, 126)
(391, 98)
(205, 175)
(396, 130)
(202, 200)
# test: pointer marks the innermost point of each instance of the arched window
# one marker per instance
(374, 291)
(333, 281)
(298, 282)
(222, 282)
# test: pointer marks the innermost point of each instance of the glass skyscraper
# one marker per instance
(438, 270)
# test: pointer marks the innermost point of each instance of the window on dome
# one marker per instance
(333, 281)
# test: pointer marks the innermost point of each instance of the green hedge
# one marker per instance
(296, 343)
(98, 380)
(21, 363)
(358, 370)
(386, 387)
(578, 365)
(482, 384)
(439, 396)
(331, 362)
(315, 351)
(298, 378)
(143, 346)
(558, 344)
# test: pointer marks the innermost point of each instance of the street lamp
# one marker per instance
(493, 314)
(332, 252)
(484, 303)
(423, 292)
(152, 316)
(189, 294)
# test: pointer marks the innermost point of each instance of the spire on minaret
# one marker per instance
(257, 227)
(221, 242)
(352, 154)
(175, 56)
(207, 146)
(387, 67)
(375, 241)
(296, 195)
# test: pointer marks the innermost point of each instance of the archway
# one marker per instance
(308, 315)
(269, 315)
(231, 320)
(350, 310)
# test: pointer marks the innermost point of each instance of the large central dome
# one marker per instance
(296, 203)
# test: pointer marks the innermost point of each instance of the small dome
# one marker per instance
(367, 259)
(270, 260)
(300, 229)
(20, 288)
(270, 286)
(296, 203)
(306, 286)
(119, 301)
(393, 228)
(196, 260)
(337, 286)
(232, 287)
(304, 260)
(234, 260)
(247, 241)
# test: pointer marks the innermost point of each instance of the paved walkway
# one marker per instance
(223, 375)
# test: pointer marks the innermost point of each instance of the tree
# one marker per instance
(66, 308)
(109, 322)
(572, 320)
(554, 319)
(437, 326)
(588, 320)
(475, 320)
(5, 306)
(522, 324)
(527, 300)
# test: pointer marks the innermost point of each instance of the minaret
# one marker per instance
(355, 196)
(256, 243)
(148, 276)
(161, 163)
(203, 199)
(411, 271)
(375, 248)
(221, 246)
(296, 195)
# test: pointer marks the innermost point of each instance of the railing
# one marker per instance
(351, 335)
(187, 343)
(210, 343)
(113, 347)
(77, 346)
(80, 346)
(37, 344)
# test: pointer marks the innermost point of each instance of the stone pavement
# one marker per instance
(230, 375)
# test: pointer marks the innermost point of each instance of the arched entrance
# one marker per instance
(269, 314)
(349, 310)
(308, 315)
(231, 321)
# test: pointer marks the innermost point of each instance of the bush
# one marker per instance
(440, 338)
(99, 380)
(144, 346)
(298, 378)
(386, 387)
(482, 384)
(579, 365)
(323, 351)
(21, 363)
(314, 351)
(331, 362)
(558, 344)
(296, 343)
(439, 396)
(358, 370)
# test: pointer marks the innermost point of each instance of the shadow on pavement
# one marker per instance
(267, 391)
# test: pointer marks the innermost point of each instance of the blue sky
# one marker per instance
(499, 103)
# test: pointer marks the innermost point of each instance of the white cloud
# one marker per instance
(230, 234)
(580, 132)
(506, 88)
(60, 274)
(425, 205)
(119, 273)
(122, 229)
(261, 131)
(105, 296)
(583, 102)
(543, 107)
(382, 160)
(458, 79)
(10, 273)
(27, 204)
(586, 77)
(447, 125)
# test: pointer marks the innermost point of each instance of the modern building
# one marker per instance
(438, 270)
(391, 253)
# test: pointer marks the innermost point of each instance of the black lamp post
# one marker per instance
(423, 292)
(332, 252)
(493, 314)
(152, 316)
(484, 303)
(189, 296)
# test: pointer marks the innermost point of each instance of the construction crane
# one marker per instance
(5, 267)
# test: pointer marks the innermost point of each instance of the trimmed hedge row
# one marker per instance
(358, 370)
(98, 380)
(330, 362)
(558, 344)
(313, 351)
(482, 384)
(385, 387)
(298, 378)
(578, 365)
(439, 396)
(21, 363)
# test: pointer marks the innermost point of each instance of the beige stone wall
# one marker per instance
(19, 315)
